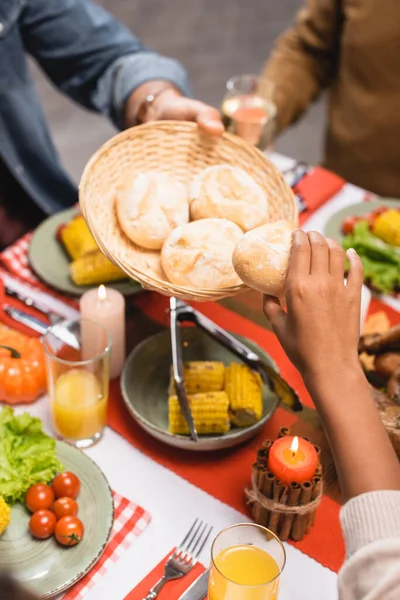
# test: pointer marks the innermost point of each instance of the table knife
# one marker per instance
(198, 589)
(33, 304)
(40, 326)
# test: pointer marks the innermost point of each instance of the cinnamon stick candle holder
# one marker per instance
(288, 511)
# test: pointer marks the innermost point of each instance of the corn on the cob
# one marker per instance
(201, 376)
(76, 238)
(94, 268)
(210, 413)
(387, 227)
(5, 512)
(244, 390)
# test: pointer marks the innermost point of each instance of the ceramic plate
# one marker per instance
(145, 379)
(333, 228)
(45, 567)
(49, 261)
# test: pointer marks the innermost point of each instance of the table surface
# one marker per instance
(174, 503)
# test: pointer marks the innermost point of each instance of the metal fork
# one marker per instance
(185, 556)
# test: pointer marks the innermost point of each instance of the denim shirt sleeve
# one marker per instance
(91, 56)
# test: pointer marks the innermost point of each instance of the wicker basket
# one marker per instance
(178, 148)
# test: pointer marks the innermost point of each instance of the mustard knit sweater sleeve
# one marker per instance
(304, 59)
(371, 528)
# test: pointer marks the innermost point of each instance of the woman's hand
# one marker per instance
(170, 104)
(320, 330)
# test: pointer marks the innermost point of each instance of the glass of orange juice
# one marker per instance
(78, 371)
(246, 564)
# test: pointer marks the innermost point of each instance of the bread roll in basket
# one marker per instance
(179, 149)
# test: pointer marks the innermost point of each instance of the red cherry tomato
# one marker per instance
(42, 524)
(69, 531)
(65, 506)
(348, 224)
(39, 496)
(66, 484)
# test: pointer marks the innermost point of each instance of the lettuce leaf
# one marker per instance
(27, 455)
(381, 261)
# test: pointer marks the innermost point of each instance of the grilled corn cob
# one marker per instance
(76, 238)
(5, 512)
(201, 376)
(244, 390)
(94, 268)
(387, 227)
(210, 413)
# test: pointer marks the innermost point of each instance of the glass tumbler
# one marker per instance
(246, 564)
(78, 371)
(248, 109)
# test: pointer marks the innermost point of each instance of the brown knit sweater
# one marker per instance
(351, 47)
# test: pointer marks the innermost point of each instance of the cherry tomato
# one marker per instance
(69, 531)
(65, 506)
(39, 496)
(66, 484)
(348, 224)
(42, 523)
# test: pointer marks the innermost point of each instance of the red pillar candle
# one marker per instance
(292, 459)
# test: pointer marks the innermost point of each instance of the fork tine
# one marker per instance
(193, 538)
(203, 543)
(187, 536)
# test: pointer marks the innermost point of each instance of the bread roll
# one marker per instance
(149, 206)
(199, 254)
(261, 257)
(228, 192)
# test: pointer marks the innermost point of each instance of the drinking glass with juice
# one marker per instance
(78, 380)
(248, 109)
(246, 563)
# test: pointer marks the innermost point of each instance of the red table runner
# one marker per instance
(225, 474)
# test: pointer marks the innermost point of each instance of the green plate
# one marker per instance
(333, 228)
(45, 567)
(49, 261)
(144, 384)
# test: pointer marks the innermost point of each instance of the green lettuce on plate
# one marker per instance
(27, 455)
(381, 261)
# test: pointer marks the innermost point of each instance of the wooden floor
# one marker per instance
(215, 39)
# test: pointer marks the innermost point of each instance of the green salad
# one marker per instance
(27, 455)
(381, 261)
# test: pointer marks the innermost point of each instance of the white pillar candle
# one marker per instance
(107, 307)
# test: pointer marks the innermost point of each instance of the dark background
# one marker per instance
(215, 39)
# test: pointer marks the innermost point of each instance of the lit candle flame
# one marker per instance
(295, 445)
(101, 293)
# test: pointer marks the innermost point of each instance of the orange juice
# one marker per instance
(78, 405)
(244, 573)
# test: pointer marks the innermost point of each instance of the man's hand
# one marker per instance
(320, 330)
(170, 104)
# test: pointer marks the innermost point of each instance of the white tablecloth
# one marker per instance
(174, 503)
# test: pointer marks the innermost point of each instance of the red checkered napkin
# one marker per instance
(130, 521)
(15, 260)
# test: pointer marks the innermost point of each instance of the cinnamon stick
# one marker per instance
(283, 432)
(260, 514)
(261, 476)
(266, 447)
(317, 449)
(316, 490)
(267, 489)
(287, 520)
(278, 491)
(262, 458)
(300, 521)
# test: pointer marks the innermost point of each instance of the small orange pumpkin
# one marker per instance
(22, 368)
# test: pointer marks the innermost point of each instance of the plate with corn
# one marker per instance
(373, 230)
(64, 255)
(229, 401)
